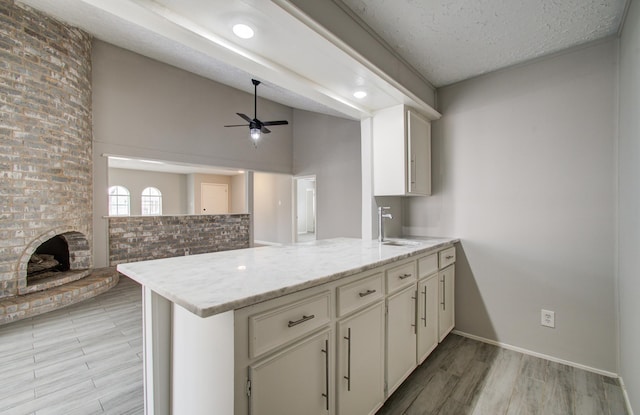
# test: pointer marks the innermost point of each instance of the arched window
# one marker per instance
(119, 201)
(151, 201)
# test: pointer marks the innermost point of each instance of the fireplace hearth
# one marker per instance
(61, 259)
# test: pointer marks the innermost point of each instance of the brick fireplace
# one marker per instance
(45, 152)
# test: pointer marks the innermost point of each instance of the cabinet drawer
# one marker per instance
(359, 293)
(282, 325)
(427, 265)
(401, 276)
(447, 257)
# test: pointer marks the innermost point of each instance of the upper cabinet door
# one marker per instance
(401, 153)
(419, 155)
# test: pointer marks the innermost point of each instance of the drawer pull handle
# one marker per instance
(449, 256)
(366, 293)
(302, 320)
(403, 276)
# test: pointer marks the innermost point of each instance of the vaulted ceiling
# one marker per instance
(305, 67)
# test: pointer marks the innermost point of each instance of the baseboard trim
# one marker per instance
(536, 354)
(626, 396)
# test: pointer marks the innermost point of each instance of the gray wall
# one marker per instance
(146, 109)
(629, 204)
(272, 208)
(238, 203)
(173, 187)
(329, 148)
(525, 174)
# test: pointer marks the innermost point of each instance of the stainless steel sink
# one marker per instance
(400, 243)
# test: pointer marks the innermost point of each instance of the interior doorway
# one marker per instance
(305, 223)
(214, 198)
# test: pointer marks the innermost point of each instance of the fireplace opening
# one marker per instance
(48, 259)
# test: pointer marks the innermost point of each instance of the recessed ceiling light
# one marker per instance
(243, 31)
(360, 94)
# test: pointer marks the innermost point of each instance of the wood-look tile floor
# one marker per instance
(87, 359)
(467, 377)
(83, 359)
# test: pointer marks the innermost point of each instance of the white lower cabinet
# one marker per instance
(427, 316)
(360, 374)
(446, 295)
(295, 380)
(343, 347)
(401, 336)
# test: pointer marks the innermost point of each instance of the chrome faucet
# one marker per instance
(381, 216)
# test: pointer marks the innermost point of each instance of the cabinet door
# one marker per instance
(427, 316)
(294, 381)
(446, 310)
(418, 155)
(401, 337)
(361, 362)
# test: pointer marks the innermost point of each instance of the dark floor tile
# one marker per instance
(615, 399)
(434, 395)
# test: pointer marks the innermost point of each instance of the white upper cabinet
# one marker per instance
(401, 153)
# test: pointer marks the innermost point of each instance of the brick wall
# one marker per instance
(138, 238)
(45, 136)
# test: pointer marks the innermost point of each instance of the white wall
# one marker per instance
(329, 148)
(524, 173)
(272, 208)
(146, 109)
(629, 204)
(172, 186)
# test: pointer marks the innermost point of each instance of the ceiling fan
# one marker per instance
(256, 127)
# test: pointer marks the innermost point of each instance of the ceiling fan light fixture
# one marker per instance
(255, 135)
(243, 31)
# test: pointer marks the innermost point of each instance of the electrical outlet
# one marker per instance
(548, 318)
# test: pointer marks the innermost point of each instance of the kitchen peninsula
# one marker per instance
(218, 327)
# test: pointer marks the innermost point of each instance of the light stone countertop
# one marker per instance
(208, 284)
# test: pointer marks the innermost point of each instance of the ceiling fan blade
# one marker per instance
(237, 125)
(265, 130)
(275, 122)
(244, 117)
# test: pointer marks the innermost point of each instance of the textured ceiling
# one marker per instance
(452, 40)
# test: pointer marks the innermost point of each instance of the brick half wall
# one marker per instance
(139, 238)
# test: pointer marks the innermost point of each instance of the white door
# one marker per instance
(214, 198)
(310, 207)
(305, 208)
